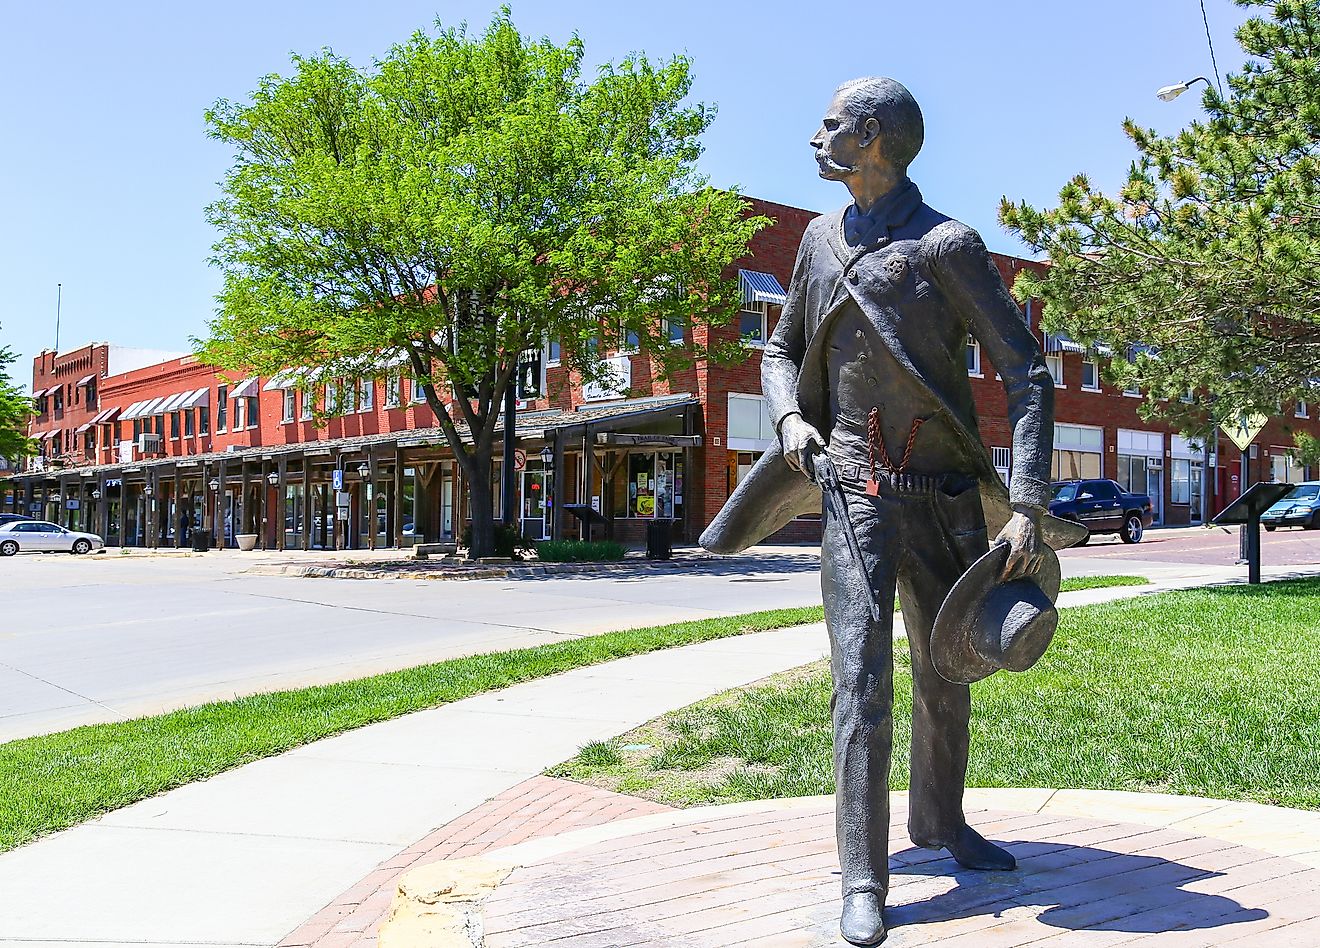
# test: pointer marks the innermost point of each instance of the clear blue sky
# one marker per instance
(106, 168)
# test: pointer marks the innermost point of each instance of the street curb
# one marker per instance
(476, 572)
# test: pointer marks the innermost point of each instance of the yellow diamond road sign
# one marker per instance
(1245, 430)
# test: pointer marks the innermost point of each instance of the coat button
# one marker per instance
(852, 276)
(859, 334)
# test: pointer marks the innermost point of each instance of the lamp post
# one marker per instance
(1169, 93)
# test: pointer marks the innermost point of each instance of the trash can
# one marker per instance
(657, 540)
(201, 540)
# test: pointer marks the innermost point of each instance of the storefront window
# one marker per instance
(650, 485)
(293, 513)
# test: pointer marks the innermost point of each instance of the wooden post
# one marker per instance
(587, 476)
(369, 497)
(557, 476)
(102, 507)
(172, 521)
(398, 497)
(123, 509)
(220, 498)
(307, 503)
(244, 484)
(281, 502)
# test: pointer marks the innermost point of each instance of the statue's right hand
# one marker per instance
(800, 441)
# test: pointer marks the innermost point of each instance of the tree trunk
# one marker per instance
(482, 500)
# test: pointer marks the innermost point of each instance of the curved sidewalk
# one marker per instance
(247, 857)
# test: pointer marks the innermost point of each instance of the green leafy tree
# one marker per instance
(15, 410)
(458, 204)
(1204, 270)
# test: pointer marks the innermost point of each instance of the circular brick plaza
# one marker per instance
(1095, 869)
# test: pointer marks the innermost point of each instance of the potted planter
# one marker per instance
(247, 542)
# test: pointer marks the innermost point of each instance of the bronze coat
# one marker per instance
(924, 288)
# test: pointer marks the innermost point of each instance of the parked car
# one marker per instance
(1301, 508)
(1102, 507)
(38, 536)
(13, 518)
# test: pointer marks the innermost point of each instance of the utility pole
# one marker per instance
(59, 299)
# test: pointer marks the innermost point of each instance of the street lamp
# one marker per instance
(96, 494)
(273, 478)
(547, 455)
(1169, 93)
(215, 483)
(364, 469)
(148, 491)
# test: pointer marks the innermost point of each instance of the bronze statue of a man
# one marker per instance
(865, 377)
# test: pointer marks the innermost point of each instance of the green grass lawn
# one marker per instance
(1213, 692)
(55, 781)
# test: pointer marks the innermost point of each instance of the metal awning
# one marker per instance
(197, 399)
(172, 402)
(1062, 342)
(105, 416)
(50, 435)
(83, 427)
(758, 287)
(85, 379)
(245, 388)
(152, 407)
(134, 410)
(42, 392)
(284, 378)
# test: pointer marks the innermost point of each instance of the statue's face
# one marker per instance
(842, 143)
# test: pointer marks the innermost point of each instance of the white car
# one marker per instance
(38, 536)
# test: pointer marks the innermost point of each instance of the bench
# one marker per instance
(422, 550)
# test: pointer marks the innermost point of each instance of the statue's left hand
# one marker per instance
(1026, 546)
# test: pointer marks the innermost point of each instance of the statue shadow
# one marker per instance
(1079, 887)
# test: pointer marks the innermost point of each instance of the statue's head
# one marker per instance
(872, 120)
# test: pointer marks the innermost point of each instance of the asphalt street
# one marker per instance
(108, 637)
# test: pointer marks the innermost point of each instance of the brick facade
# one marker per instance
(120, 379)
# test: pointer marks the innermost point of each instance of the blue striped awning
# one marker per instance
(758, 287)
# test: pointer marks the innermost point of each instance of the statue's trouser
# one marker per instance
(919, 543)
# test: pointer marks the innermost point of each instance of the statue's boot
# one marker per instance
(974, 851)
(862, 922)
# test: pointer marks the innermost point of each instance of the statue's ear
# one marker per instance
(870, 131)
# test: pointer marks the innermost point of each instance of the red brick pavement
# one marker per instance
(1215, 546)
(541, 806)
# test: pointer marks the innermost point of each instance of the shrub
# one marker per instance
(508, 541)
(579, 551)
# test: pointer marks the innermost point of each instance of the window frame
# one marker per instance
(760, 309)
(288, 405)
(974, 370)
(1057, 358)
(1095, 374)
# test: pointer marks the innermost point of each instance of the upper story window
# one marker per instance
(418, 391)
(188, 423)
(1090, 375)
(1054, 362)
(204, 420)
(366, 399)
(1302, 410)
(90, 392)
(39, 404)
(174, 425)
(308, 404)
(675, 329)
(290, 396)
(552, 351)
(221, 408)
(752, 322)
(392, 382)
(332, 406)
(973, 357)
(631, 340)
(59, 402)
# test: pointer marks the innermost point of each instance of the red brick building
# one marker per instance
(132, 440)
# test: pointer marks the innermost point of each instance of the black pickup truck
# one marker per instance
(1102, 507)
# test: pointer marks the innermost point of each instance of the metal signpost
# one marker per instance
(1247, 427)
(1246, 510)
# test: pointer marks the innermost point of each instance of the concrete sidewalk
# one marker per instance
(248, 856)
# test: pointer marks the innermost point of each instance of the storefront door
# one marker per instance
(535, 485)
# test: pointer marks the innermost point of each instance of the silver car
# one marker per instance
(38, 536)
